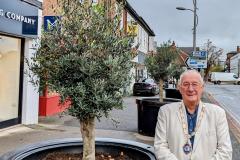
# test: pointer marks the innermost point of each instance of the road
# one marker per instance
(122, 120)
(228, 96)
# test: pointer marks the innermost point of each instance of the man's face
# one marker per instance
(191, 88)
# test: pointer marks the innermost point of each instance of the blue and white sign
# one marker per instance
(198, 59)
(50, 22)
(200, 54)
(192, 61)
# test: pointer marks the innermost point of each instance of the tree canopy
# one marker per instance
(158, 65)
(85, 59)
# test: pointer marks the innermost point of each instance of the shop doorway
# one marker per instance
(10, 80)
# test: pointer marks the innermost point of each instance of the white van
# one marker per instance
(218, 77)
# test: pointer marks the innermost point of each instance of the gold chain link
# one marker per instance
(188, 136)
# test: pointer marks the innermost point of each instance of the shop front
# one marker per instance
(19, 30)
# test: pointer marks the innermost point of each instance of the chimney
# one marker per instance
(238, 49)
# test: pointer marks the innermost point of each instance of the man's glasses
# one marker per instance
(194, 84)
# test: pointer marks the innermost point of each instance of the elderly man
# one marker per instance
(192, 129)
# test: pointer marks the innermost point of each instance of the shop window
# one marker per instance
(10, 49)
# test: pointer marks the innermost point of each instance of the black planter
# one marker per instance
(147, 114)
(172, 93)
(138, 151)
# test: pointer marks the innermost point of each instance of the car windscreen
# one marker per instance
(148, 81)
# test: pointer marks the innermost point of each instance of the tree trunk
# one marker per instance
(45, 91)
(161, 90)
(88, 136)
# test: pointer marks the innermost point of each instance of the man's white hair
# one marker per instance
(190, 72)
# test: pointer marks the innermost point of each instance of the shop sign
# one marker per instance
(50, 22)
(17, 17)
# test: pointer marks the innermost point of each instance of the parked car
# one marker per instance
(146, 86)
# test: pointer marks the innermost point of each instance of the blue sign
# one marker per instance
(50, 22)
(199, 54)
(203, 53)
(28, 28)
(193, 62)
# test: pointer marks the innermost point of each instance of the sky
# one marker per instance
(218, 21)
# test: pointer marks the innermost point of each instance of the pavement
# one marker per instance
(58, 127)
(65, 126)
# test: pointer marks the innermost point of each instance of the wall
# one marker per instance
(234, 61)
(48, 7)
(152, 44)
(30, 93)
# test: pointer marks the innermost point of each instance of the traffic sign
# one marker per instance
(194, 63)
(200, 54)
(186, 62)
(197, 59)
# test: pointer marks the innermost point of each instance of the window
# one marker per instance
(10, 49)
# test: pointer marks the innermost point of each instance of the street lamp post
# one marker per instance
(195, 21)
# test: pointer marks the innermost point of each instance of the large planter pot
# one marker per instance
(147, 114)
(138, 151)
(172, 93)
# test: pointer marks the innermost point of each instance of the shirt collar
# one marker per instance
(195, 112)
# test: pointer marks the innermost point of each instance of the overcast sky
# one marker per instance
(219, 21)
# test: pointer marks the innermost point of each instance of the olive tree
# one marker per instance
(86, 60)
(175, 71)
(158, 65)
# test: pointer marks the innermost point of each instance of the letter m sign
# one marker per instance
(50, 22)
